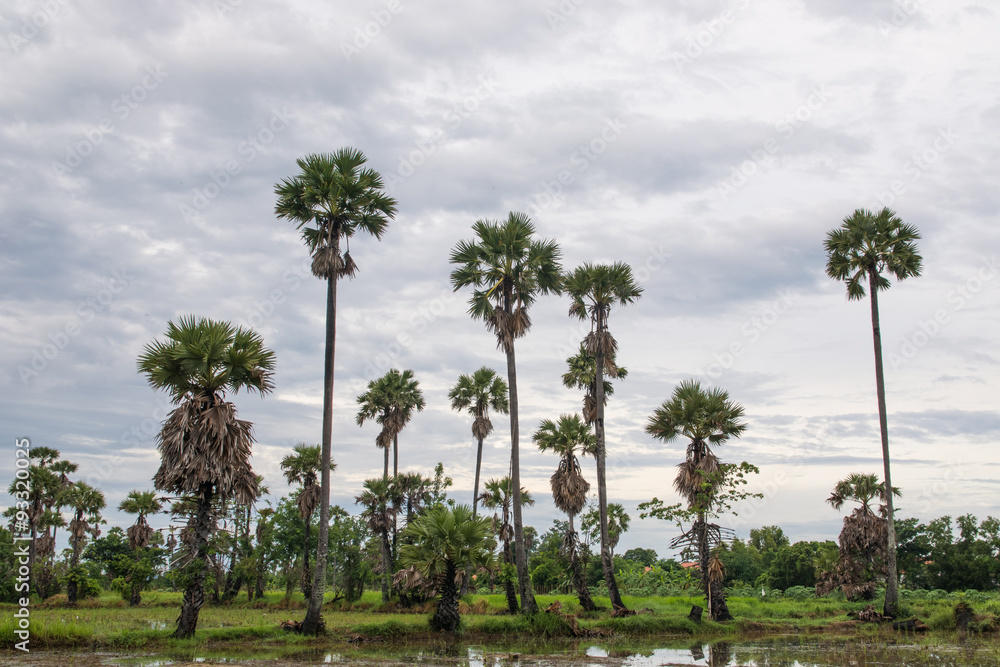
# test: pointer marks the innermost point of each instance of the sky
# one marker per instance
(711, 145)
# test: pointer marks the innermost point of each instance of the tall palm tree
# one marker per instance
(479, 393)
(86, 502)
(204, 448)
(332, 198)
(415, 493)
(498, 495)
(301, 467)
(569, 488)
(390, 400)
(707, 418)
(864, 248)
(507, 269)
(441, 543)
(142, 504)
(382, 502)
(595, 288)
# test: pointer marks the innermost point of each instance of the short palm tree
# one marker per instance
(498, 495)
(594, 289)
(390, 400)
(204, 448)
(864, 537)
(301, 467)
(566, 437)
(479, 393)
(441, 544)
(86, 503)
(864, 248)
(382, 502)
(507, 269)
(333, 197)
(142, 504)
(707, 418)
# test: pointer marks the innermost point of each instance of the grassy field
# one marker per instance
(107, 622)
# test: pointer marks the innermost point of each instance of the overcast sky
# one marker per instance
(711, 145)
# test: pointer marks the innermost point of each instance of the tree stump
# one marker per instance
(695, 614)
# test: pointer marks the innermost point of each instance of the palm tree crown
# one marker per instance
(869, 245)
(479, 393)
(566, 436)
(390, 401)
(706, 418)
(861, 488)
(507, 269)
(332, 198)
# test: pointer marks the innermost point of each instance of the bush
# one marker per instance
(800, 593)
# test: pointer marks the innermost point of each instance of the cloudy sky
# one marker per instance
(709, 144)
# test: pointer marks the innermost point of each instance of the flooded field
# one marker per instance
(773, 652)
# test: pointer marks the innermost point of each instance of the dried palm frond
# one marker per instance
(482, 427)
(601, 342)
(139, 534)
(307, 501)
(569, 488)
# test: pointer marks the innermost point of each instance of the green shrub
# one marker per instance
(800, 593)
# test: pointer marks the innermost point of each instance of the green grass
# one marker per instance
(106, 622)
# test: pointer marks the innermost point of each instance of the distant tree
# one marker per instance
(767, 540)
(479, 393)
(382, 501)
(86, 503)
(390, 400)
(142, 504)
(644, 557)
(498, 495)
(302, 467)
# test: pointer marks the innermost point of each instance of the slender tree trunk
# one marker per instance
(307, 574)
(607, 562)
(891, 584)
(385, 468)
(385, 566)
(194, 591)
(475, 489)
(71, 587)
(508, 586)
(579, 577)
(311, 623)
(528, 604)
(395, 456)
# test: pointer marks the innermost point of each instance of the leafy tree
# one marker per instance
(581, 373)
(863, 540)
(707, 418)
(618, 523)
(507, 269)
(204, 448)
(381, 500)
(569, 488)
(142, 504)
(302, 467)
(864, 248)
(767, 540)
(479, 393)
(348, 535)
(441, 543)
(390, 400)
(795, 564)
(498, 495)
(644, 557)
(595, 288)
(742, 561)
(86, 502)
(333, 197)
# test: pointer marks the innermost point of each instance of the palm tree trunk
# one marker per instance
(194, 592)
(446, 616)
(306, 573)
(607, 562)
(71, 587)
(385, 566)
(395, 455)
(311, 623)
(891, 584)
(475, 489)
(528, 604)
(579, 577)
